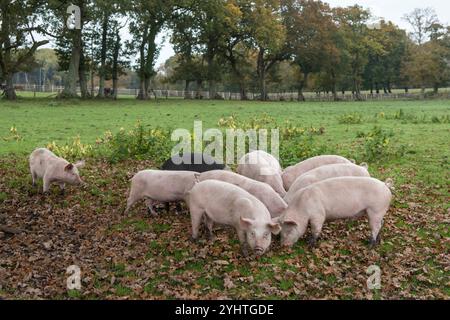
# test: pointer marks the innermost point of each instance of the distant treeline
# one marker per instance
(221, 45)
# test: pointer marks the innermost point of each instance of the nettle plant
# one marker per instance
(72, 150)
(350, 118)
(146, 142)
(378, 144)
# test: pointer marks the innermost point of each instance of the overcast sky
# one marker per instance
(392, 10)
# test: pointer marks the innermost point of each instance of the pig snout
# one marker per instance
(259, 251)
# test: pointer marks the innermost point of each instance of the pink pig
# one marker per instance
(52, 169)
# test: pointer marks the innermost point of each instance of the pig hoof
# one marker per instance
(193, 240)
(373, 243)
(312, 242)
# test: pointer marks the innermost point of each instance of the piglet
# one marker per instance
(53, 169)
(262, 166)
(224, 203)
(336, 198)
(260, 190)
(326, 172)
(291, 173)
(162, 186)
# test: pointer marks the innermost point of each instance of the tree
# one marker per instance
(235, 50)
(71, 42)
(336, 63)
(427, 65)
(206, 29)
(422, 21)
(387, 50)
(19, 24)
(353, 23)
(267, 37)
(148, 18)
(309, 35)
(427, 62)
(107, 15)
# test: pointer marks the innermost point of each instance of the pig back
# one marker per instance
(344, 197)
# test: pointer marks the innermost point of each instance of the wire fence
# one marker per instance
(228, 95)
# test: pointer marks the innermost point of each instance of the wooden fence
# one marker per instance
(280, 96)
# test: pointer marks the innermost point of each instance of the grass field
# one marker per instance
(142, 257)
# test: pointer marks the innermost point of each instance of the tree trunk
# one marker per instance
(71, 79)
(70, 83)
(422, 91)
(147, 86)
(10, 92)
(242, 90)
(357, 90)
(333, 86)
(212, 86)
(187, 94)
(262, 75)
(142, 93)
(302, 84)
(83, 79)
(198, 94)
(102, 73)
(436, 88)
(92, 79)
(115, 67)
(147, 58)
(212, 89)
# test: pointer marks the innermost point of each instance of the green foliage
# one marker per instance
(139, 143)
(73, 150)
(13, 135)
(377, 144)
(300, 148)
(350, 118)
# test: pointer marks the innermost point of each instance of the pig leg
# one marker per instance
(209, 226)
(34, 177)
(375, 223)
(317, 222)
(196, 220)
(179, 208)
(243, 240)
(151, 210)
(47, 184)
(132, 199)
(62, 187)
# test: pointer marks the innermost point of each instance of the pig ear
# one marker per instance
(69, 167)
(246, 223)
(80, 164)
(274, 227)
(365, 165)
(291, 223)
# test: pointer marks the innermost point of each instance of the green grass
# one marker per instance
(40, 121)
